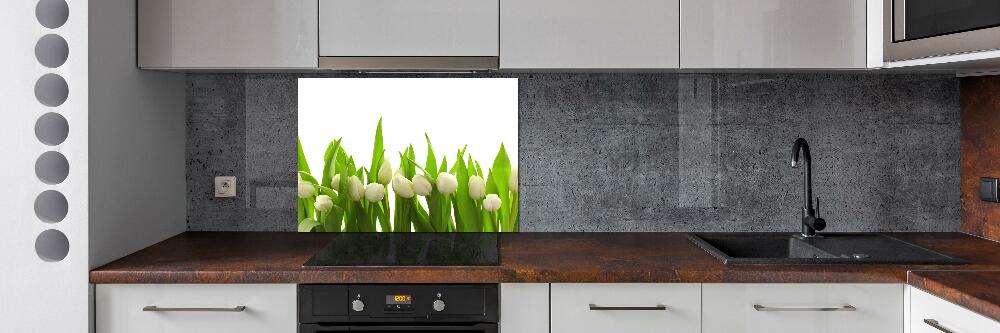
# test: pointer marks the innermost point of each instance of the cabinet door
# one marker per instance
(773, 34)
(191, 308)
(802, 308)
(930, 314)
(524, 308)
(571, 34)
(406, 28)
(625, 307)
(227, 33)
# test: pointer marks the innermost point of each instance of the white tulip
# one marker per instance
(385, 173)
(306, 190)
(355, 189)
(374, 192)
(512, 181)
(323, 203)
(421, 185)
(447, 183)
(402, 186)
(335, 182)
(477, 187)
(491, 203)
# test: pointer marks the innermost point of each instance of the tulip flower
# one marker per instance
(477, 187)
(374, 192)
(447, 183)
(512, 181)
(355, 189)
(306, 190)
(335, 182)
(402, 186)
(385, 173)
(323, 203)
(422, 186)
(491, 203)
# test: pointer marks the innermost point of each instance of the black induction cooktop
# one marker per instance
(409, 249)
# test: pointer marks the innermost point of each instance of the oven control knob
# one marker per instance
(358, 305)
(438, 305)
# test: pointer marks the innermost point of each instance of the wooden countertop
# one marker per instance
(271, 257)
(974, 290)
(268, 257)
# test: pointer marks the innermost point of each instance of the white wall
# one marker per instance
(38, 295)
(137, 125)
(125, 149)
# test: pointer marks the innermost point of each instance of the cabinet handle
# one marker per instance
(154, 308)
(657, 307)
(759, 307)
(935, 324)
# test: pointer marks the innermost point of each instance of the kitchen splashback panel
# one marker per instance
(638, 152)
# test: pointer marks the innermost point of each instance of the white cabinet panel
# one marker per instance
(524, 308)
(270, 308)
(572, 309)
(773, 34)
(589, 34)
(924, 306)
(228, 33)
(406, 28)
(729, 308)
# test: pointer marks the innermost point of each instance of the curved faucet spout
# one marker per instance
(810, 222)
(807, 188)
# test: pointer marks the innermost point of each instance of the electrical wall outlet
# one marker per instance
(225, 187)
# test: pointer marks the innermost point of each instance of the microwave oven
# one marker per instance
(915, 29)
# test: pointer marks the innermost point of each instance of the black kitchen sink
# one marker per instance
(831, 248)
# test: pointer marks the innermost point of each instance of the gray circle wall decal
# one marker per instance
(51, 51)
(51, 129)
(51, 90)
(52, 13)
(51, 206)
(52, 167)
(52, 245)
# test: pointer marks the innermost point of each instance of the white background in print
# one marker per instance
(479, 112)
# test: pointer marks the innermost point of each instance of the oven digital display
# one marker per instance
(398, 299)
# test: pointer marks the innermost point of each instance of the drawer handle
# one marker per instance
(658, 307)
(154, 308)
(759, 307)
(935, 324)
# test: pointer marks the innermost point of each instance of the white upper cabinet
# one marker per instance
(776, 34)
(581, 34)
(227, 33)
(407, 28)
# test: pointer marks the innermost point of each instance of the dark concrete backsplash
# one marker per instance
(640, 152)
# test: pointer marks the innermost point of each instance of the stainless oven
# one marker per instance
(928, 28)
(388, 308)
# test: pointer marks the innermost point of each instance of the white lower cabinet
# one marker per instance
(524, 308)
(802, 308)
(201, 308)
(625, 307)
(930, 314)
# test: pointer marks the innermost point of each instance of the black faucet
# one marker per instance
(811, 222)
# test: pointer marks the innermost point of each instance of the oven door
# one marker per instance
(916, 29)
(474, 328)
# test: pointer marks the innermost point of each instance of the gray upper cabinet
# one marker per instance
(773, 34)
(582, 34)
(408, 28)
(192, 34)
